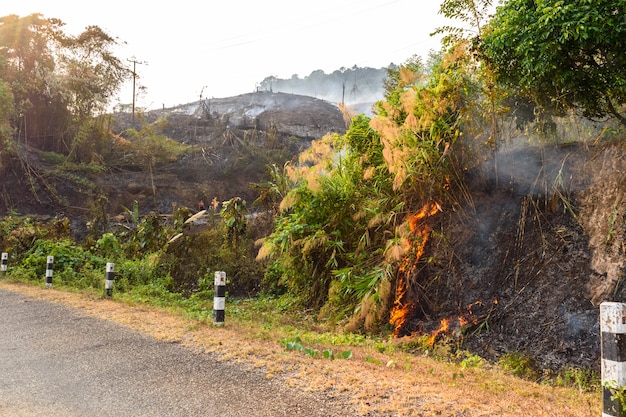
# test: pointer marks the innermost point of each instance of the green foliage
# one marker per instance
(19, 234)
(134, 213)
(6, 112)
(397, 81)
(520, 365)
(618, 396)
(339, 237)
(149, 235)
(99, 222)
(91, 71)
(296, 344)
(92, 145)
(148, 147)
(57, 80)
(85, 185)
(52, 157)
(7, 147)
(192, 260)
(135, 253)
(419, 132)
(108, 247)
(156, 291)
(472, 13)
(568, 56)
(469, 360)
(273, 190)
(323, 230)
(233, 214)
(73, 266)
(146, 265)
(585, 380)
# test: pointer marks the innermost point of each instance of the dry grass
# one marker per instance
(394, 383)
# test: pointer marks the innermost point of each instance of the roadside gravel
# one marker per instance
(56, 361)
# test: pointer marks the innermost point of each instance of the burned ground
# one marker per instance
(231, 141)
(524, 261)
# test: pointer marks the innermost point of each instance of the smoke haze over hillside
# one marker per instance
(354, 86)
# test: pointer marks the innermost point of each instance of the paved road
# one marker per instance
(57, 362)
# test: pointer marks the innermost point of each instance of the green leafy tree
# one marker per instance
(569, 54)
(27, 45)
(6, 111)
(472, 17)
(57, 80)
(88, 73)
(472, 13)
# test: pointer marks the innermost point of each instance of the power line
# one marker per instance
(135, 62)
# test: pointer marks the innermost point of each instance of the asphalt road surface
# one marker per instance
(55, 361)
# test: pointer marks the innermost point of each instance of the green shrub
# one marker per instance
(73, 266)
(130, 273)
(108, 246)
(192, 260)
(582, 379)
(18, 234)
(520, 365)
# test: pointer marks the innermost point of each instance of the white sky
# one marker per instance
(225, 48)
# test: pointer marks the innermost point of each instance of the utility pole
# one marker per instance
(135, 62)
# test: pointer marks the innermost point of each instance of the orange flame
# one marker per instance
(443, 327)
(464, 319)
(418, 237)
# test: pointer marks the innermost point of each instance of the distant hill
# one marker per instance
(356, 87)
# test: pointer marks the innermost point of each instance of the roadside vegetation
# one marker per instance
(332, 255)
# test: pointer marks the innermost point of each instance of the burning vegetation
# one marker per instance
(405, 303)
(419, 231)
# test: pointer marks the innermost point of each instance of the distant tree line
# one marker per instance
(345, 85)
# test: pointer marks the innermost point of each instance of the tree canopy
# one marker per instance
(57, 81)
(563, 54)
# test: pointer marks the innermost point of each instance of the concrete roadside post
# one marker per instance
(5, 261)
(613, 355)
(219, 298)
(49, 263)
(109, 279)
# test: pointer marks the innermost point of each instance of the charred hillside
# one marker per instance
(229, 143)
(232, 141)
(522, 264)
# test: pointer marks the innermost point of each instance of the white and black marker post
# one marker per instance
(219, 298)
(5, 261)
(49, 263)
(110, 279)
(613, 353)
